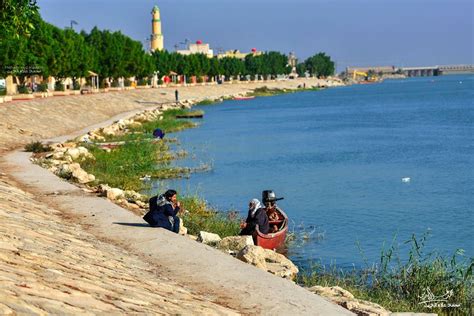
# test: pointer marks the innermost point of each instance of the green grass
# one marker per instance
(201, 217)
(125, 165)
(169, 124)
(208, 102)
(398, 285)
(267, 92)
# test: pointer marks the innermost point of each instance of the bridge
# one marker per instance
(421, 71)
(455, 69)
(436, 70)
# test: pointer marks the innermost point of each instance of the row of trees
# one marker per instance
(266, 64)
(42, 48)
(51, 51)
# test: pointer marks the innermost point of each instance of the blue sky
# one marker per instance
(352, 32)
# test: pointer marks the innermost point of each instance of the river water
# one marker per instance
(338, 157)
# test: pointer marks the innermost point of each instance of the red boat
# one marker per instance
(244, 98)
(274, 240)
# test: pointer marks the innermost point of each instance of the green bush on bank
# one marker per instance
(400, 285)
(201, 218)
(37, 147)
(266, 92)
(59, 86)
(168, 124)
(207, 102)
(123, 166)
(22, 89)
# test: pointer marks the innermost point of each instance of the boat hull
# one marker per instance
(244, 98)
(275, 240)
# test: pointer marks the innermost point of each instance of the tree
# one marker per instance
(232, 67)
(215, 68)
(16, 18)
(320, 65)
(301, 69)
(16, 21)
(277, 63)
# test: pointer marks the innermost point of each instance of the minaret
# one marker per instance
(156, 36)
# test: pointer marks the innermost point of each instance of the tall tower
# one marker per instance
(156, 39)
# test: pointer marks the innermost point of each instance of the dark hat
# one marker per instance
(269, 196)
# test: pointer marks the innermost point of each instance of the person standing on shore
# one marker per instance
(163, 211)
(176, 95)
(257, 216)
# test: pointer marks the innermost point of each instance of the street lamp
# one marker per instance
(73, 23)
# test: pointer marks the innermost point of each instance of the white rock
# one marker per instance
(182, 230)
(74, 153)
(234, 244)
(55, 162)
(114, 194)
(130, 194)
(268, 260)
(64, 171)
(79, 174)
(82, 150)
(208, 238)
(58, 155)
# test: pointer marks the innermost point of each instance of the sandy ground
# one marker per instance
(66, 251)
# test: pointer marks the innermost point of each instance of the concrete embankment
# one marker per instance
(66, 251)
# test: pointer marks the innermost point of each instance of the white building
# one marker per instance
(198, 48)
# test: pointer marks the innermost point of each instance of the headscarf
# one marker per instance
(161, 200)
(164, 198)
(254, 205)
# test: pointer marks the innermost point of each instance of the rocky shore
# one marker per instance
(53, 261)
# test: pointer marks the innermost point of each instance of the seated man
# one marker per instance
(163, 211)
(256, 216)
(271, 210)
(269, 199)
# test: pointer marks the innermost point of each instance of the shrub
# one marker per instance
(58, 86)
(127, 83)
(398, 284)
(42, 87)
(206, 102)
(142, 82)
(23, 89)
(201, 217)
(37, 147)
(76, 85)
(115, 84)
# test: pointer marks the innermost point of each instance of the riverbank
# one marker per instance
(229, 284)
(36, 119)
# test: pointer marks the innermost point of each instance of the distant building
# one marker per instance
(156, 38)
(237, 54)
(379, 70)
(292, 62)
(197, 48)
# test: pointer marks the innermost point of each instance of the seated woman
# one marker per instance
(256, 216)
(163, 211)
